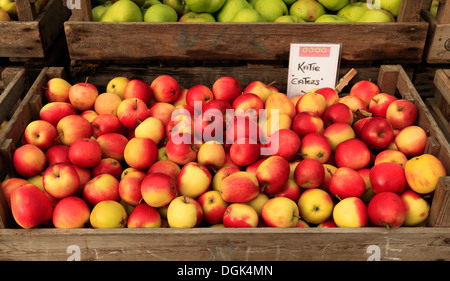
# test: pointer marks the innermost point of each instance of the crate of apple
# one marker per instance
(222, 155)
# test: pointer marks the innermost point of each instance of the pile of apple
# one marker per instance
(157, 154)
(246, 11)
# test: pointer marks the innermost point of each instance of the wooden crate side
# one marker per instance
(438, 42)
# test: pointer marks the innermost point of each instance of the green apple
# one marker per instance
(122, 11)
(197, 17)
(160, 13)
(98, 11)
(271, 9)
(331, 18)
(178, 5)
(205, 6)
(4, 16)
(148, 4)
(248, 15)
(289, 18)
(308, 10)
(230, 8)
(353, 11)
(392, 6)
(10, 7)
(333, 5)
(376, 15)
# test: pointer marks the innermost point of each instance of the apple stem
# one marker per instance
(388, 226)
(85, 81)
(338, 197)
(271, 83)
(329, 171)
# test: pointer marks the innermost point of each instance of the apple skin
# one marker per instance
(338, 113)
(82, 96)
(144, 216)
(273, 174)
(184, 212)
(239, 187)
(304, 123)
(281, 102)
(136, 88)
(258, 88)
(199, 93)
(130, 187)
(107, 103)
(387, 209)
(377, 133)
(166, 167)
(54, 111)
(29, 160)
(105, 124)
(411, 141)
(248, 103)
(380, 103)
(280, 212)
(390, 155)
(423, 172)
(355, 103)
(211, 154)
(85, 153)
(346, 183)
(108, 214)
(285, 143)
(359, 125)
(9, 184)
(108, 166)
(213, 206)
(113, 145)
(315, 146)
(73, 127)
(132, 111)
(417, 208)
(30, 207)
(244, 152)
(151, 128)
(40, 133)
(313, 103)
(401, 113)
(193, 180)
(103, 187)
(221, 174)
(309, 173)
(291, 190)
(331, 95)
(240, 215)
(226, 88)
(162, 111)
(387, 177)
(315, 205)
(61, 180)
(89, 115)
(165, 89)
(57, 90)
(71, 212)
(350, 212)
(158, 189)
(337, 133)
(352, 153)
(365, 90)
(181, 152)
(140, 153)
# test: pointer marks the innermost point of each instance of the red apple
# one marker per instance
(105, 124)
(291, 190)
(411, 141)
(71, 212)
(331, 95)
(240, 215)
(130, 187)
(82, 96)
(244, 152)
(85, 153)
(144, 215)
(387, 209)
(272, 174)
(309, 173)
(166, 167)
(260, 89)
(380, 103)
(9, 184)
(337, 133)
(377, 133)
(158, 189)
(161, 110)
(57, 153)
(284, 142)
(365, 90)
(89, 115)
(73, 127)
(181, 150)
(113, 145)
(138, 89)
(313, 103)
(387, 176)
(346, 183)
(226, 88)
(213, 206)
(315, 146)
(165, 89)
(209, 126)
(57, 90)
(54, 111)
(401, 113)
(29, 160)
(61, 180)
(239, 187)
(101, 188)
(40, 133)
(241, 126)
(338, 113)
(132, 111)
(393, 156)
(140, 153)
(248, 104)
(108, 166)
(352, 153)
(304, 123)
(355, 103)
(359, 124)
(199, 93)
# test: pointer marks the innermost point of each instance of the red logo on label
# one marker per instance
(314, 51)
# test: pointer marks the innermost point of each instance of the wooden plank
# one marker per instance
(440, 209)
(20, 39)
(438, 42)
(25, 10)
(387, 79)
(443, 14)
(410, 10)
(12, 93)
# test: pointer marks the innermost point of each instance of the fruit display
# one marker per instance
(8, 11)
(156, 154)
(246, 11)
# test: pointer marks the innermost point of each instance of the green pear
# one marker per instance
(178, 5)
(353, 11)
(308, 10)
(392, 6)
(376, 15)
(205, 6)
(248, 15)
(4, 16)
(289, 18)
(148, 4)
(333, 5)
(289, 2)
(122, 11)
(434, 7)
(230, 8)
(197, 17)
(139, 2)
(271, 9)
(98, 11)
(253, 2)
(160, 13)
(10, 7)
(332, 18)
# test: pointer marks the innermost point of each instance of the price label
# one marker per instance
(312, 66)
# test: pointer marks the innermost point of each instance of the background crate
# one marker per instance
(404, 243)
(32, 36)
(439, 105)
(438, 43)
(403, 41)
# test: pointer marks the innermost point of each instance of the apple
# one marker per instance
(130, 187)
(158, 189)
(359, 124)
(281, 102)
(338, 113)
(71, 212)
(315, 205)
(105, 124)
(244, 152)
(40, 133)
(350, 212)
(209, 126)
(401, 113)
(103, 187)
(160, 12)
(315, 146)
(390, 155)
(184, 212)
(226, 88)
(309, 173)
(387, 176)
(193, 179)
(181, 150)
(387, 209)
(181, 100)
(365, 90)
(354, 102)
(377, 133)
(199, 93)
(89, 115)
(308, 10)
(411, 141)
(379, 104)
(132, 111)
(337, 133)
(161, 110)
(417, 208)
(331, 95)
(61, 180)
(242, 126)
(166, 167)
(30, 207)
(346, 183)
(240, 215)
(260, 89)
(258, 202)
(117, 85)
(136, 88)
(108, 166)
(273, 174)
(113, 145)
(144, 216)
(206, 6)
(221, 174)
(213, 206)
(304, 123)
(9, 184)
(422, 173)
(291, 190)
(84, 175)
(108, 214)
(327, 224)
(54, 111)
(29, 160)
(192, 16)
(85, 153)
(239, 187)
(82, 96)
(107, 103)
(313, 103)
(57, 90)
(248, 104)
(140, 153)
(211, 154)
(273, 124)
(280, 212)
(73, 127)
(151, 128)
(285, 143)
(329, 170)
(165, 89)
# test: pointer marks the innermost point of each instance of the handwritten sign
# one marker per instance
(312, 66)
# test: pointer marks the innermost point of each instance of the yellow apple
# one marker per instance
(315, 205)
(280, 212)
(350, 212)
(240, 215)
(184, 212)
(108, 214)
(193, 179)
(151, 128)
(117, 85)
(417, 208)
(258, 202)
(423, 172)
(211, 154)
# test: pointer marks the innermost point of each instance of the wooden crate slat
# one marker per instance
(438, 43)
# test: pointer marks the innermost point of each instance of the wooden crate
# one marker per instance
(32, 36)
(225, 244)
(403, 41)
(439, 105)
(438, 43)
